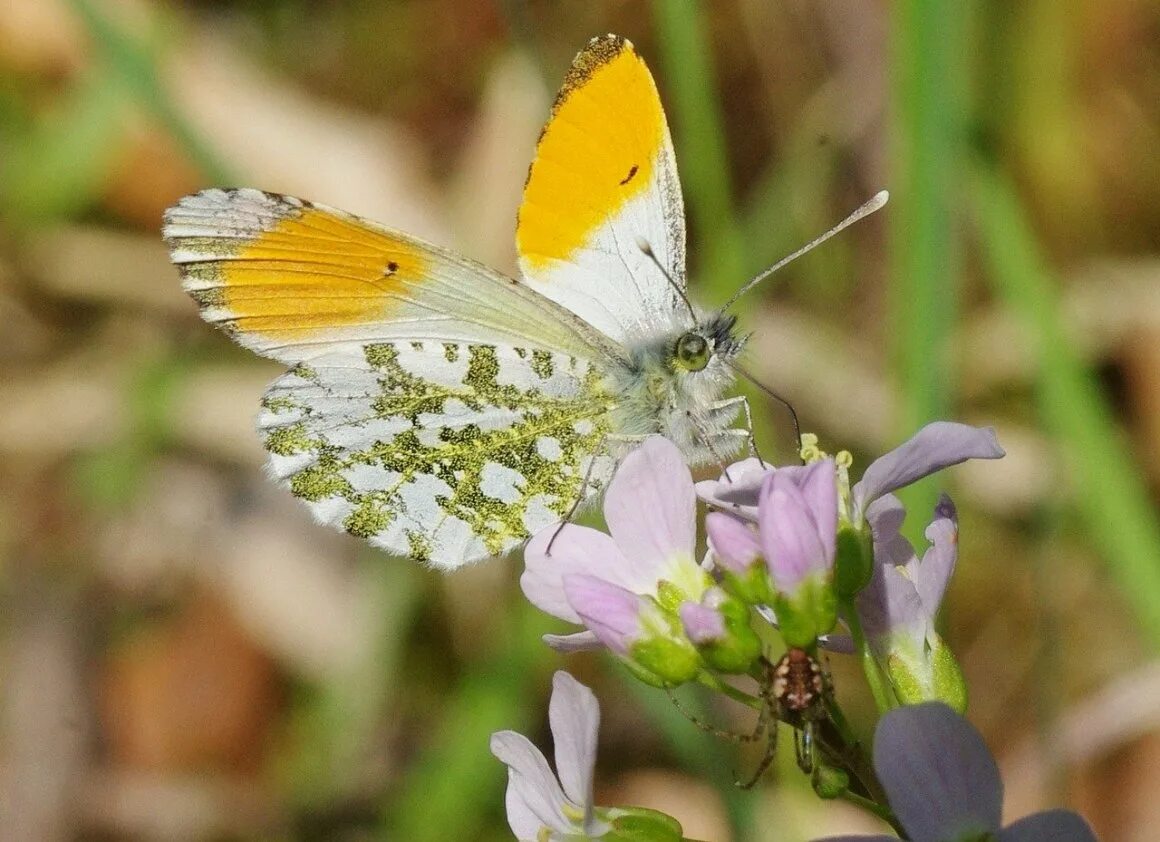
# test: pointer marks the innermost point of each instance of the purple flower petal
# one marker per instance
(584, 641)
(936, 446)
(611, 612)
(736, 491)
(574, 715)
(933, 574)
(819, 484)
(702, 623)
(734, 543)
(534, 798)
(651, 510)
(789, 534)
(577, 549)
(939, 776)
(890, 603)
(1049, 826)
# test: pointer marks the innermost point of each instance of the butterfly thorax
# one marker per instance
(672, 384)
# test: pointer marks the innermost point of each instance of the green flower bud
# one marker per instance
(829, 781)
(853, 560)
(808, 613)
(638, 824)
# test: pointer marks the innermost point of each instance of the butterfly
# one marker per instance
(446, 412)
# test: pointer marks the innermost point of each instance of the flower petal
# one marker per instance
(734, 544)
(859, 838)
(577, 549)
(1049, 826)
(737, 489)
(819, 484)
(574, 715)
(611, 612)
(789, 534)
(936, 446)
(702, 623)
(584, 641)
(888, 604)
(651, 511)
(933, 574)
(534, 798)
(939, 776)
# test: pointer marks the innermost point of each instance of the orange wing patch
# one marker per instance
(597, 152)
(282, 270)
(315, 272)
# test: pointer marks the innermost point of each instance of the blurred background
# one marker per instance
(184, 654)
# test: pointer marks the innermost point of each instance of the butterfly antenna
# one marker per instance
(797, 429)
(875, 203)
(643, 245)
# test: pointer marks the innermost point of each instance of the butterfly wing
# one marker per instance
(603, 177)
(443, 452)
(435, 408)
(291, 280)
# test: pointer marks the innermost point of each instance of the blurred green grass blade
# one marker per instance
(700, 140)
(927, 138)
(135, 65)
(457, 783)
(1110, 492)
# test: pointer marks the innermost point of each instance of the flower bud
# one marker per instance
(639, 824)
(925, 673)
(830, 782)
(719, 627)
(737, 553)
(853, 561)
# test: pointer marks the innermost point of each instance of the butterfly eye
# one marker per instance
(692, 352)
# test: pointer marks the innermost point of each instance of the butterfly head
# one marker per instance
(712, 338)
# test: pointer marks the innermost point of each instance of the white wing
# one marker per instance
(444, 452)
(292, 280)
(605, 176)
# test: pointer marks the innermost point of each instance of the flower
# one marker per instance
(542, 808)
(797, 520)
(536, 801)
(943, 784)
(626, 587)
(899, 606)
(938, 445)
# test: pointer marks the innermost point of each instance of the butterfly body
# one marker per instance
(444, 411)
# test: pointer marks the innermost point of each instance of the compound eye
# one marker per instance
(692, 352)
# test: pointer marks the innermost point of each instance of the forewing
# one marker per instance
(604, 177)
(293, 280)
(444, 452)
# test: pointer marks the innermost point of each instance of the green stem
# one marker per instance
(883, 698)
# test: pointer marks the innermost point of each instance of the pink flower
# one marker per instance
(625, 586)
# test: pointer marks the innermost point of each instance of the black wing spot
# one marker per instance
(631, 175)
(391, 269)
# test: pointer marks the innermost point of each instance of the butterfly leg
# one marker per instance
(583, 493)
(727, 409)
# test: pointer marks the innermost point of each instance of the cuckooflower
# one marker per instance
(899, 605)
(797, 523)
(943, 784)
(627, 586)
(938, 445)
(542, 808)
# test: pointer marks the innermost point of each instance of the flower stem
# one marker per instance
(883, 698)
